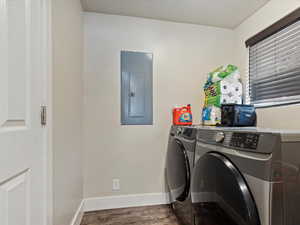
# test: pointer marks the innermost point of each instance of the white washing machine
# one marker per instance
(246, 176)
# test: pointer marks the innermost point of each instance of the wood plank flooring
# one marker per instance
(148, 215)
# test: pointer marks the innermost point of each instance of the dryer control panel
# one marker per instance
(244, 140)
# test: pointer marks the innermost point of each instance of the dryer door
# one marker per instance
(220, 194)
(178, 171)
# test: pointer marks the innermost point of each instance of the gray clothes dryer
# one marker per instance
(179, 168)
(246, 176)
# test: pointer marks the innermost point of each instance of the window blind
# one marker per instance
(274, 68)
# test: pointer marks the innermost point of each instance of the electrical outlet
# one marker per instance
(116, 184)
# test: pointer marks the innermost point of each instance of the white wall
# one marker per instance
(278, 117)
(67, 109)
(183, 54)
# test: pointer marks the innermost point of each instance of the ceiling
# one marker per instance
(219, 13)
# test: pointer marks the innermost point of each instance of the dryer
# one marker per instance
(246, 176)
(179, 168)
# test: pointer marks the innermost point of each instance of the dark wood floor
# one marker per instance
(148, 215)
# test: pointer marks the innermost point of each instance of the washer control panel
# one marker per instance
(244, 140)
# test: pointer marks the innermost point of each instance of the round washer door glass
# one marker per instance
(220, 195)
(178, 171)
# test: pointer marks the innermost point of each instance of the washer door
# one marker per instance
(220, 195)
(178, 171)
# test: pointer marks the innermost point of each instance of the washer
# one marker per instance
(246, 176)
(179, 168)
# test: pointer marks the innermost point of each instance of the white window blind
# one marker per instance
(274, 68)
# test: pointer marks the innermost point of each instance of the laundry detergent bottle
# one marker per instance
(182, 115)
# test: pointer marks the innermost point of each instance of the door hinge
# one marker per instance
(43, 115)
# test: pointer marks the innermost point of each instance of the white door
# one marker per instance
(22, 138)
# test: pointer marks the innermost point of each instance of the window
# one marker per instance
(274, 63)
(136, 88)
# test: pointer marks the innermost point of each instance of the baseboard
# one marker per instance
(78, 215)
(125, 201)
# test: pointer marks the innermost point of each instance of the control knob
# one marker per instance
(220, 136)
(179, 131)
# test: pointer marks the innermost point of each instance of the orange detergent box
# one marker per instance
(182, 115)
